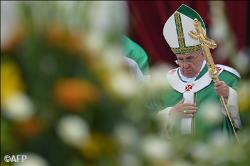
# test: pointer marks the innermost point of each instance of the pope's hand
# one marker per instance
(183, 110)
(221, 89)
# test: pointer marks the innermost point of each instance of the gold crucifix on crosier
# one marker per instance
(208, 44)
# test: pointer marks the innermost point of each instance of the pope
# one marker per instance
(183, 107)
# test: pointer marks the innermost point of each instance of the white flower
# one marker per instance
(32, 160)
(201, 151)
(219, 140)
(94, 41)
(157, 79)
(242, 60)
(180, 163)
(9, 21)
(108, 16)
(112, 57)
(123, 84)
(73, 130)
(221, 145)
(126, 135)
(211, 112)
(128, 159)
(155, 149)
(18, 107)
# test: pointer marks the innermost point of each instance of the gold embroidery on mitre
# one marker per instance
(183, 49)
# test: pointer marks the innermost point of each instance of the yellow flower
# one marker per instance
(11, 81)
(98, 145)
(244, 94)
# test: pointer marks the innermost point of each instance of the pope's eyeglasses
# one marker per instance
(190, 60)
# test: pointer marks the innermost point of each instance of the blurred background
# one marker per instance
(68, 98)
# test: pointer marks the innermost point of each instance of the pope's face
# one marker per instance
(190, 64)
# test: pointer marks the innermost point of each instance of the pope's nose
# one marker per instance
(185, 65)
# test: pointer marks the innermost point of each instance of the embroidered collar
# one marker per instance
(202, 80)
